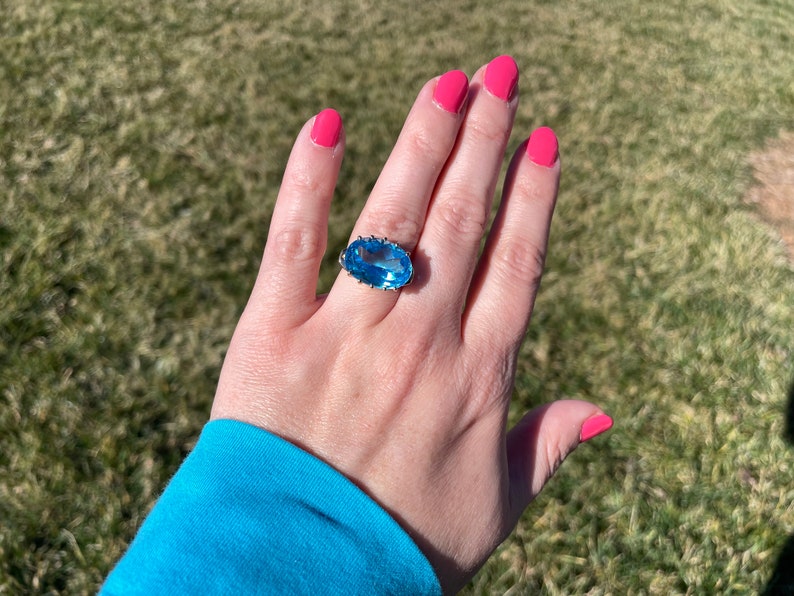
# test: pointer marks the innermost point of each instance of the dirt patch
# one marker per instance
(774, 194)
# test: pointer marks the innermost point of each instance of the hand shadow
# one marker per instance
(782, 581)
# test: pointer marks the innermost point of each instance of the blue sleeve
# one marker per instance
(250, 513)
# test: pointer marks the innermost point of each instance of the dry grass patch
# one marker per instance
(774, 194)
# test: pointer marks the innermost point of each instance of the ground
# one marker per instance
(774, 194)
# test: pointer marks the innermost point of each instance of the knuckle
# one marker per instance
(531, 192)
(521, 260)
(424, 145)
(555, 453)
(305, 181)
(465, 215)
(486, 129)
(395, 223)
(298, 243)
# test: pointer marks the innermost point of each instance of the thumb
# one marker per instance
(541, 441)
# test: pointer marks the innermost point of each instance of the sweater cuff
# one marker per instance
(250, 512)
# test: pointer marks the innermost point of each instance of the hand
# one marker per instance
(407, 392)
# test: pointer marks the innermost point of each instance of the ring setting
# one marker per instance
(378, 263)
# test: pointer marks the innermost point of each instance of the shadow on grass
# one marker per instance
(782, 581)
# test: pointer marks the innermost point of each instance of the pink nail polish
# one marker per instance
(451, 90)
(326, 128)
(594, 426)
(542, 147)
(501, 76)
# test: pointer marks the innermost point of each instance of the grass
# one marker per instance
(140, 151)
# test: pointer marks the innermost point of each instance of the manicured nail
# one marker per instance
(594, 426)
(326, 128)
(542, 147)
(501, 76)
(451, 91)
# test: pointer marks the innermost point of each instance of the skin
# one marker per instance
(407, 392)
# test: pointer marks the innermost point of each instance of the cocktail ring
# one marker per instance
(378, 263)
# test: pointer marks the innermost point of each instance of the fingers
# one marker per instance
(437, 184)
(397, 206)
(508, 275)
(286, 285)
(399, 200)
(542, 440)
(460, 208)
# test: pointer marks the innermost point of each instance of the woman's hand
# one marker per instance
(407, 392)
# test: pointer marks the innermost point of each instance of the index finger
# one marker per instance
(286, 285)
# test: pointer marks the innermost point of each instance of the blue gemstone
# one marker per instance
(377, 263)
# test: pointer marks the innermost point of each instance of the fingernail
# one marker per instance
(451, 91)
(326, 128)
(501, 76)
(594, 426)
(542, 147)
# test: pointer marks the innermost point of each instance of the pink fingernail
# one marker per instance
(326, 128)
(594, 426)
(451, 91)
(542, 147)
(501, 76)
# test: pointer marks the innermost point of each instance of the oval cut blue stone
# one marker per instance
(378, 263)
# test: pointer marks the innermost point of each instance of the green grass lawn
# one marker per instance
(141, 146)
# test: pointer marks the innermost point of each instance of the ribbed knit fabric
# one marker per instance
(250, 513)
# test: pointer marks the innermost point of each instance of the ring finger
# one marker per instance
(397, 206)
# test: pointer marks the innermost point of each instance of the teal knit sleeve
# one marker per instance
(250, 513)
